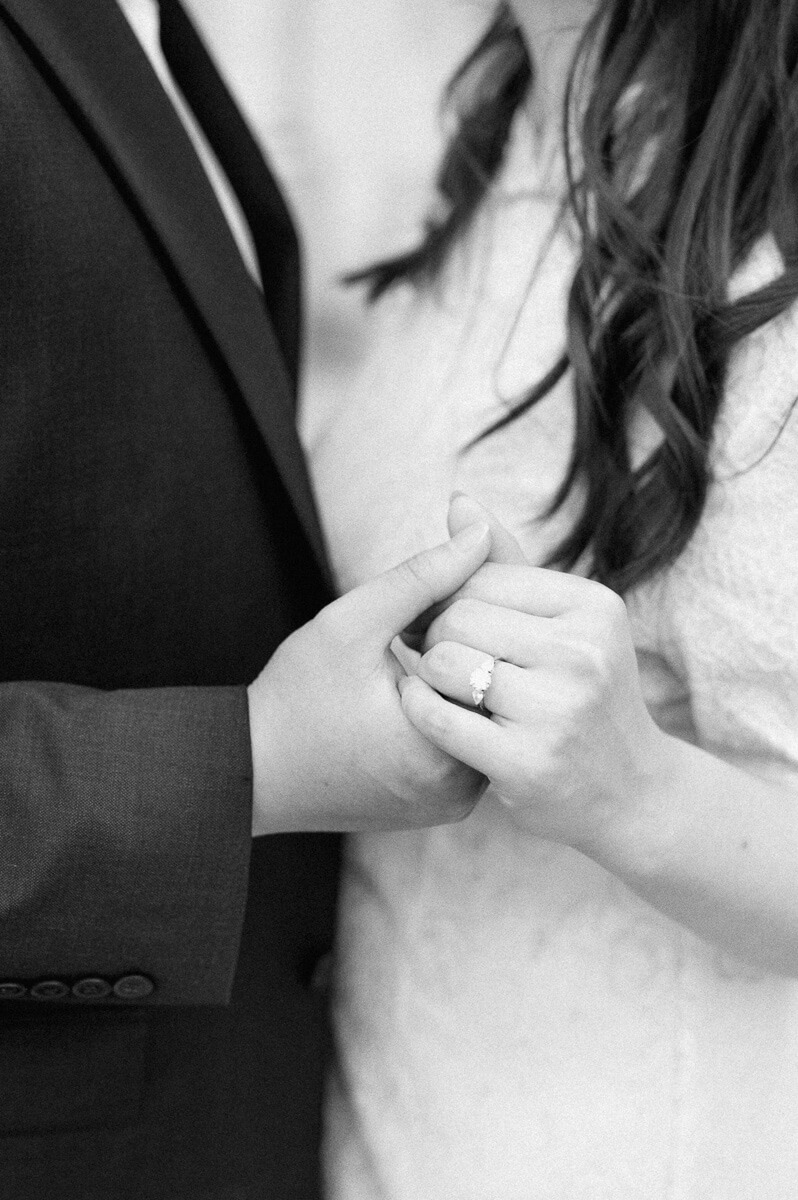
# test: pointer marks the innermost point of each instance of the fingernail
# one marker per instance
(470, 537)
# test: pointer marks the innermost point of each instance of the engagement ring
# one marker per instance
(480, 680)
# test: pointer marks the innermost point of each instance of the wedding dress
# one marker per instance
(512, 1022)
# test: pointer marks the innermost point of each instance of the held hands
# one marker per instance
(332, 748)
(569, 746)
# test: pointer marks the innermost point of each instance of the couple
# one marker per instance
(586, 987)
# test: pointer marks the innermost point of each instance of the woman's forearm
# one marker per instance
(716, 849)
(574, 754)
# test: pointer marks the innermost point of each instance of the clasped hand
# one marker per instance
(331, 746)
(344, 737)
(570, 745)
(569, 741)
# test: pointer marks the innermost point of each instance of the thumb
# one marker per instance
(464, 511)
(384, 607)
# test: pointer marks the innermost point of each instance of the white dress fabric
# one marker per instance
(512, 1022)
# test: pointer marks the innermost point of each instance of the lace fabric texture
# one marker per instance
(511, 1021)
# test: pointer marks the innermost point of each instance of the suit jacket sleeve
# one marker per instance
(125, 833)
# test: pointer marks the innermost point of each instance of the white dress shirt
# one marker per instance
(144, 18)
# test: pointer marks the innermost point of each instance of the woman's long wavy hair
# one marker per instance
(681, 139)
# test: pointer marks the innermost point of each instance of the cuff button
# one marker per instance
(133, 987)
(12, 991)
(49, 989)
(91, 989)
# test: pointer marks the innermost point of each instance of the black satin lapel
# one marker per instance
(92, 57)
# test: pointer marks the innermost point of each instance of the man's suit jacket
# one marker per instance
(161, 1031)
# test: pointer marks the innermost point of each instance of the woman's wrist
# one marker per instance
(643, 830)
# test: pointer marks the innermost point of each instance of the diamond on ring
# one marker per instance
(480, 680)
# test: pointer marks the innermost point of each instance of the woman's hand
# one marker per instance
(570, 746)
(572, 751)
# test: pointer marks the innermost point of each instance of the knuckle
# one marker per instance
(460, 618)
(443, 627)
(582, 699)
(438, 722)
(585, 690)
(608, 604)
(567, 653)
(595, 662)
(439, 660)
(412, 575)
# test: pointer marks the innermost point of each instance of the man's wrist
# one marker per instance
(263, 816)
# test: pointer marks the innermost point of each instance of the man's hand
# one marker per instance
(332, 748)
(463, 512)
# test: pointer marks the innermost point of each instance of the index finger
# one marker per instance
(538, 591)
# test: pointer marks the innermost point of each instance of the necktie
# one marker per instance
(241, 159)
(144, 18)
